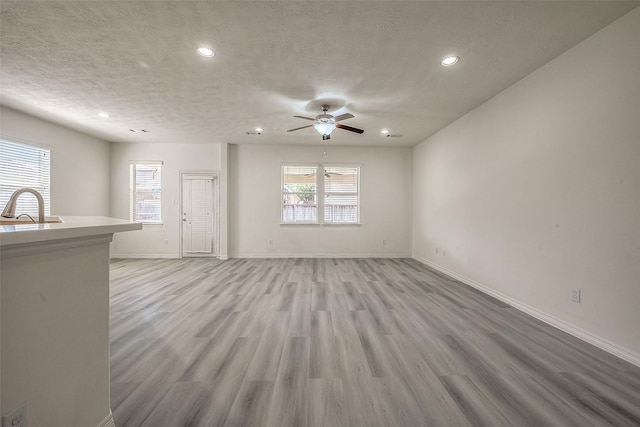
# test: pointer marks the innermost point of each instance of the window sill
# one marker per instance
(329, 224)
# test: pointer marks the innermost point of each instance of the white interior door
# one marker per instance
(199, 215)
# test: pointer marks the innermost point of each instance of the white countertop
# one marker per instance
(72, 227)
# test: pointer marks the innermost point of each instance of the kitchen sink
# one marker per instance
(26, 220)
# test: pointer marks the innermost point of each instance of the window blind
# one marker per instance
(299, 194)
(341, 198)
(22, 166)
(145, 185)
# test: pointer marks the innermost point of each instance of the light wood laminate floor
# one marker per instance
(344, 342)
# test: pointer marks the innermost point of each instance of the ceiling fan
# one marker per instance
(325, 123)
(326, 174)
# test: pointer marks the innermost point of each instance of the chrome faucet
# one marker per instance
(10, 210)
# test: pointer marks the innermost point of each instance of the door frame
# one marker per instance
(216, 212)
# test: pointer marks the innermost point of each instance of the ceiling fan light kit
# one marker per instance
(325, 123)
(324, 126)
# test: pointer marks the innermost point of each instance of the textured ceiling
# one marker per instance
(65, 61)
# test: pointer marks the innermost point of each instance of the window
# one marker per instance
(145, 187)
(336, 187)
(24, 166)
(299, 194)
(341, 195)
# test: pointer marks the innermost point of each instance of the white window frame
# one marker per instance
(14, 176)
(320, 193)
(133, 191)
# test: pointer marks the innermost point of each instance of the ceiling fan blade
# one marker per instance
(302, 127)
(303, 117)
(344, 116)
(349, 128)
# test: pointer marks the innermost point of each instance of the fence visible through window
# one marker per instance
(320, 194)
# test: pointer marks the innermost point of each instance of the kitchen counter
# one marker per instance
(54, 312)
(73, 227)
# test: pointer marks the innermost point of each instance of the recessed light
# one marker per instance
(104, 115)
(385, 131)
(258, 129)
(205, 51)
(449, 60)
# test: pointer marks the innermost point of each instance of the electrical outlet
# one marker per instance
(436, 250)
(444, 253)
(16, 418)
(575, 295)
(384, 243)
(270, 242)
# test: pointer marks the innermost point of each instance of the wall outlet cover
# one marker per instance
(17, 417)
(575, 295)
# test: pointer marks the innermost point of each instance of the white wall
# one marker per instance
(79, 163)
(537, 191)
(255, 203)
(156, 240)
(55, 331)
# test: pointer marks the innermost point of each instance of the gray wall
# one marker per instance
(79, 163)
(537, 191)
(157, 240)
(255, 203)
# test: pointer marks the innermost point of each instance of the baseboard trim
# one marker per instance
(144, 256)
(108, 421)
(341, 255)
(577, 332)
(266, 255)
